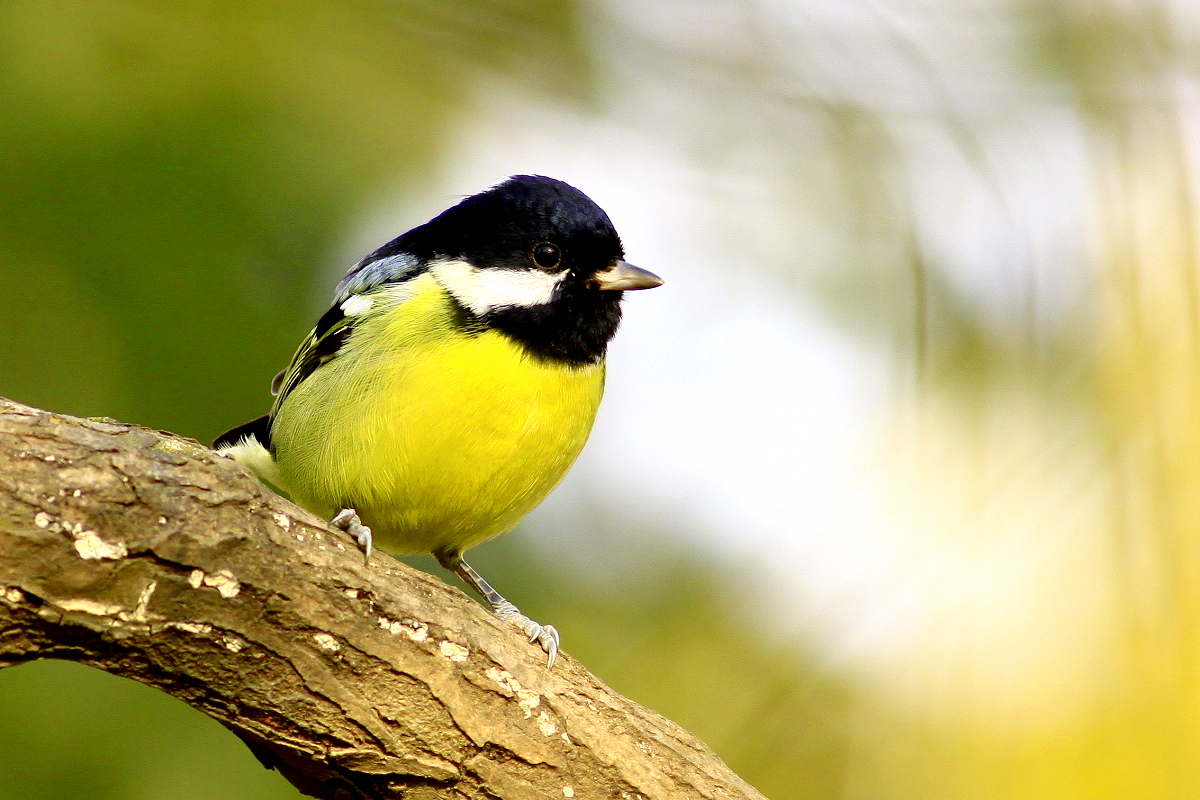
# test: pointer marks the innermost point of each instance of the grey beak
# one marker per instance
(623, 276)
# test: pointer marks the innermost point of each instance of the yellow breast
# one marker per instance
(439, 438)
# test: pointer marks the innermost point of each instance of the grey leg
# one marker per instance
(347, 519)
(545, 635)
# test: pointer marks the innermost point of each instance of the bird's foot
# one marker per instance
(347, 519)
(545, 635)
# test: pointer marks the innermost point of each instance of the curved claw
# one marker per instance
(347, 519)
(544, 635)
(548, 639)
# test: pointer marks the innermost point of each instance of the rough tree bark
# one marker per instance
(146, 555)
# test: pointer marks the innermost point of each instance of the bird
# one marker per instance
(454, 379)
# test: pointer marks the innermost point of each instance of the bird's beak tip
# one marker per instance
(623, 276)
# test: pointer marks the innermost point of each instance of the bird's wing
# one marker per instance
(332, 331)
(353, 301)
(376, 270)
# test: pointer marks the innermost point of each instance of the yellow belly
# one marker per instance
(438, 439)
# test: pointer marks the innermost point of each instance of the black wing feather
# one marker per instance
(332, 332)
(389, 265)
(259, 429)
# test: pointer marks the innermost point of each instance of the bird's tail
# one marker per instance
(250, 446)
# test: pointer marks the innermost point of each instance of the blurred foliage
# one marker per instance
(1081, 426)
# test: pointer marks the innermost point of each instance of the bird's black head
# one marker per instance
(503, 226)
(534, 258)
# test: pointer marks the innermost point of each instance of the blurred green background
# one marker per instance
(896, 493)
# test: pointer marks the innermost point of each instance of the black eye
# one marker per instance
(546, 255)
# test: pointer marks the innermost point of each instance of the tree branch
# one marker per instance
(146, 555)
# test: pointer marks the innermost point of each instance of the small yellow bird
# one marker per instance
(454, 380)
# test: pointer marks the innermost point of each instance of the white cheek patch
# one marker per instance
(484, 290)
